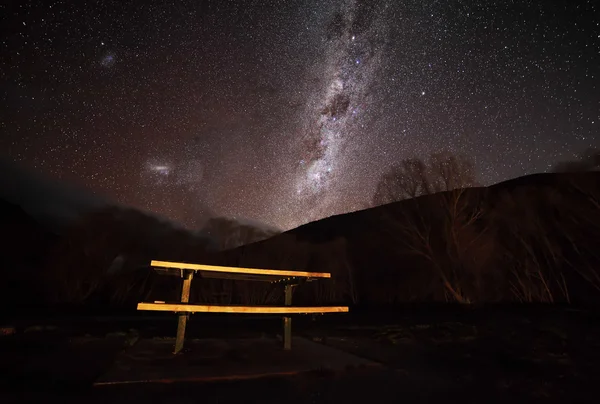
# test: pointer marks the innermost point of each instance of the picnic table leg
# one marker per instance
(183, 317)
(287, 321)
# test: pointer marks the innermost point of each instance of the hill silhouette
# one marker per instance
(51, 203)
(531, 239)
(25, 244)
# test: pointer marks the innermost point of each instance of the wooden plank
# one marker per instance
(183, 317)
(237, 270)
(197, 308)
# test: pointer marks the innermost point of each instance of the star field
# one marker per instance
(289, 111)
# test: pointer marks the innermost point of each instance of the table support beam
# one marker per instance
(287, 321)
(183, 317)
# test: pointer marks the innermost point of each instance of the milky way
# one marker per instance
(289, 111)
(350, 65)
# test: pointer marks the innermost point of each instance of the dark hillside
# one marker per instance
(520, 240)
(24, 248)
(532, 239)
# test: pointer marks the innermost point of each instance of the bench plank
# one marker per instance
(236, 270)
(196, 308)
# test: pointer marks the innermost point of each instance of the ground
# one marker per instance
(522, 354)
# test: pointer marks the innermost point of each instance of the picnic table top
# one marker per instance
(222, 272)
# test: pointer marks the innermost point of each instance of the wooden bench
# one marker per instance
(289, 279)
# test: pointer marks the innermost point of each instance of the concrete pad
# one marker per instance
(204, 360)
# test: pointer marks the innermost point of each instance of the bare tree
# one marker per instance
(413, 177)
(447, 236)
(585, 215)
(449, 172)
(229, 233)
(443, 231)
(589, 160)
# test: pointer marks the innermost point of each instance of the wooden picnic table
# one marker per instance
(289, 279)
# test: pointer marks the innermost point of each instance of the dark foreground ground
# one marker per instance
(476, 355)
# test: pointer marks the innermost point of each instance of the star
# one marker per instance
(294, 115)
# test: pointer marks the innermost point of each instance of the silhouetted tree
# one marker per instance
(229, 233)
(442, 231)
(589, 160)
(413, 177)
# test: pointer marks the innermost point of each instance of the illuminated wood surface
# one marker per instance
(273, 273)
(286, 277)
(183, 318)
(196, 308)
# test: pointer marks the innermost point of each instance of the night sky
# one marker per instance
(289, 111)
